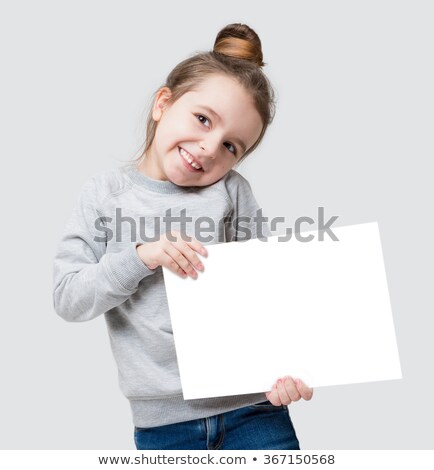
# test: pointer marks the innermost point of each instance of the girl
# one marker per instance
(211, 113)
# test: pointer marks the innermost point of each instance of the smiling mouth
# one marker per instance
(189, 160)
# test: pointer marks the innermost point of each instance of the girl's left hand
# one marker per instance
(287, 390)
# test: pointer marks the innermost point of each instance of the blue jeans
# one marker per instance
(257, 427)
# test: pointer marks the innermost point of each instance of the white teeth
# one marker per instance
(186, 156)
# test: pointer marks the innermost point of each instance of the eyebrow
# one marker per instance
(211, 111)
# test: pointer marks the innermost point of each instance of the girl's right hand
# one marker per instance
(179, 256)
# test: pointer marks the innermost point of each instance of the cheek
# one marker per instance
(180, 127)
(222, 168)
(225, 165)
(171, 131)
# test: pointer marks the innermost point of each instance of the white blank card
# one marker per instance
(317, 310)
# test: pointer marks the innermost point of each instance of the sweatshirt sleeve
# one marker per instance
(87, 280)
(247, 218)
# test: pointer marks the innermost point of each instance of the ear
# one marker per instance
(161, 102)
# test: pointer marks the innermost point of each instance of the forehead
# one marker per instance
(220, 89)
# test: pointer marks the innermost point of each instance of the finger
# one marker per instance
(305, 391)
(172, 265)
(291, 388)
(197, 246)
(189, 254)
(191, 242)
(179, 259)
(273, 396)
(283, 395)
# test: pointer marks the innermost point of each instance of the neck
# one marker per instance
(150, 168)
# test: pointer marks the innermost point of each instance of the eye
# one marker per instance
(203, 118)
(234, 151)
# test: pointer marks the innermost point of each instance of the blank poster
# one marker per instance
(317, 310)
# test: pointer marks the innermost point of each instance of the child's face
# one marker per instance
(216, 143)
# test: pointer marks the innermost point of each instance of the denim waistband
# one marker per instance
(168, 410)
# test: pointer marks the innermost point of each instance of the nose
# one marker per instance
(209, 156)
(208, 151)
(210, 146)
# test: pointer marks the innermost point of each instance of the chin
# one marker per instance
(179, 178)
(176, 178)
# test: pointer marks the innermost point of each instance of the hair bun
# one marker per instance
(239, 41)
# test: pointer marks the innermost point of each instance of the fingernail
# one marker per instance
(200, 265)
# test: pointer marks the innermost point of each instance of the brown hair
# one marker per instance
(237, 53)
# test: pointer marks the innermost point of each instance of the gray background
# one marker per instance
(353, 133)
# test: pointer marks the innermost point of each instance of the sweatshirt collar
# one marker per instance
(158, 186)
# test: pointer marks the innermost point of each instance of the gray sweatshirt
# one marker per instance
(97, 271)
